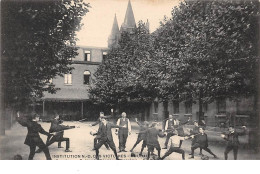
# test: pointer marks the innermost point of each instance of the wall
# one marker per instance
(210, 114)
(77, 76)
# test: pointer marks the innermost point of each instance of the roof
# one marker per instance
(115, 29)
(129, 21)
(67, 94)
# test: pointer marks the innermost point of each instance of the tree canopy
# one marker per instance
(38, 43)
(211, 45)
(127, 73)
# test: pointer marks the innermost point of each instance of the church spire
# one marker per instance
(129, 22)
(147, 25)
(115, 34)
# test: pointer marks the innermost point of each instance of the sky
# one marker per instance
(97, 23)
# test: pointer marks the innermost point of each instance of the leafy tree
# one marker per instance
(38, 42)
(212, 50)
(126, 76)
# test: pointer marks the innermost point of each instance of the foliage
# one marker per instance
(127, 74)
(38, 43)
(211, 46)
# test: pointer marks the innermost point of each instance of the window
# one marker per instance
(221, 106)
(176, 107)
(244, 106)
(104, 55)
(155, 107)
(188, 107)
(86, 77)
(68, 79)
(87, 55)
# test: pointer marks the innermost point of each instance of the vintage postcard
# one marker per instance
(129, 80)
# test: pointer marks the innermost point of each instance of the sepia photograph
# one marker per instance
(130, 80)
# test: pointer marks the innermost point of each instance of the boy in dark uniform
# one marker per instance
(33, 138)
(201, 140)
(106, 137)
(152, 139)
(232, 141)
(123, 132)
(194, 132)
(58, 129)
(141, 136)
(98, 122)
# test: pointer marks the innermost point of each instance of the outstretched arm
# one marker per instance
(185, 122)
(161, 133)
(129, 126)
(96, 123)
(42, 131)
(22, 120)
(139, 124)
(243, 132)
(117, 124)
(63, 127)
(166, 125)
(142, 132)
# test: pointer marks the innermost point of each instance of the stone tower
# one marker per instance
(128, 25)
(115, 34)
(129, 22)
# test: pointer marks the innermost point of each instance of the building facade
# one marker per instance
(218, 113)
(72, 101)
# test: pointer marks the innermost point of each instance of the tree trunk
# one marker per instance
(201, 114)
(2, 121)
(257, 87)
(165, 113)
(8, 116)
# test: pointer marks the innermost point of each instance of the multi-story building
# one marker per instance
(73, 100)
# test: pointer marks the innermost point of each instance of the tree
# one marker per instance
(38, 42)
(126, 76)
(215, 47)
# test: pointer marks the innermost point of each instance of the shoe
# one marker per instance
(93, 149)
(38, 151)
(192, 157)
(140, 154)
(190, 153)
(119, 151)
(200, 154)
(131, 150)
(124, 150)
(216, 157)
(67, 150)
(60, 147)
(164, 148)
